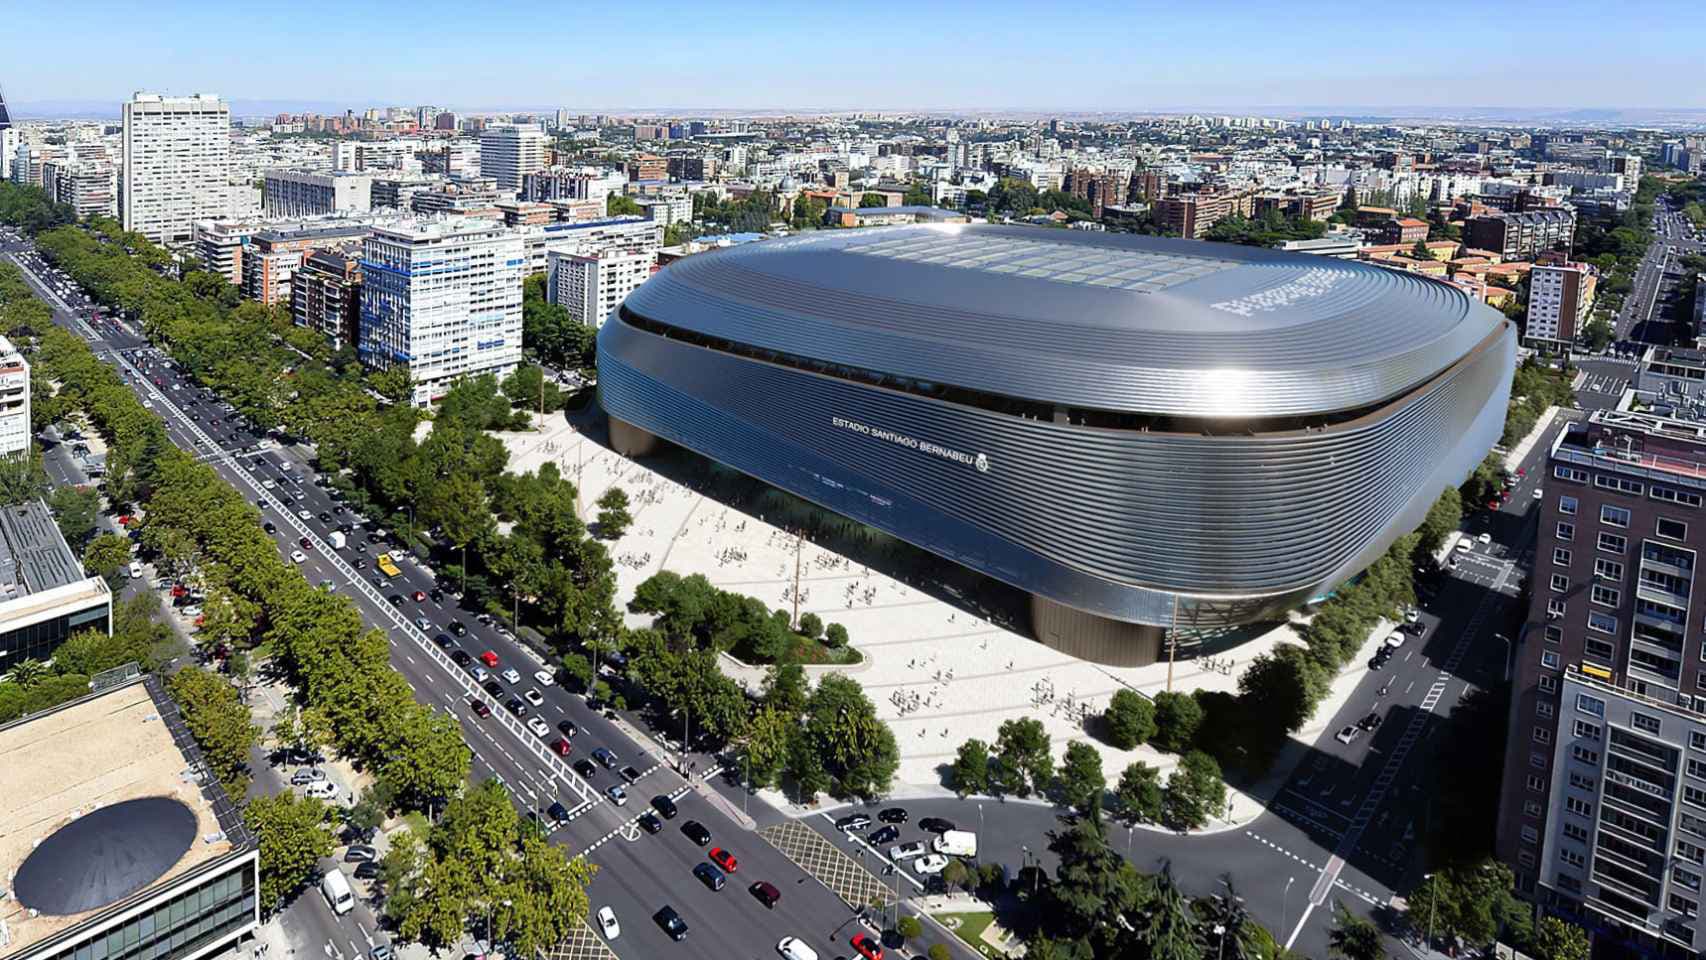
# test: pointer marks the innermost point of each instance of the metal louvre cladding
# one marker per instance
(1113, 522)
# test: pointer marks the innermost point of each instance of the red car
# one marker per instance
(724, 859)
(867, 946)
(562, 747)
(490, 659)
(480, 709)
(420, 596)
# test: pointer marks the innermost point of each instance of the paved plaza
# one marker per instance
(939, 664)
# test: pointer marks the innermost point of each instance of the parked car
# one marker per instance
(866, 945)
(359, 852)
(696, 832)
(617, 795)
(650, 823)
(887, 834)
(906, 851)
(853, 821)
(664, 806)
(893, 815)
(1348, 734)
(607, 923)
(585, 768)
(936, 825)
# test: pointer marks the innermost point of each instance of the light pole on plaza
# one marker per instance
(1285, 905)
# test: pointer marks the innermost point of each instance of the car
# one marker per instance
(650, 823)
(425, 624)
(866, 946)
(461, 658)
(515, 706)
(419, 596)
(395, 600)
(893, 815)
(302, 778)
(557, 812)
(560, 746)
(1412, 615)
(607, 923)
(304, 515)
(664, 806)
(1395, 639)
(367, 870)
(544, 678)
(443, 641)
(488, 658)
(585, 769)
(268, 484)
(1348, 734)
(270, 527)
(479, 707)
(539, 727)
(511, 675)
(567, 728)
(605, 757)
(325, 517)
(723, 859)
(1539, 494)
(361, 563)
(492, 687)
(457, 627)
(906, 851)
(360, 852)
(930, 863)
(935, 825)
(886, 834)
(671, 923)
(322, 790)
(853, 821)
(696, 832)
(437, 595)
(1371, 722)
(629, 773)
(709, 876)
(297, 556)
(616, 794)
(766, 893)
(1484, 539)
(1464, 545)
(533, 696)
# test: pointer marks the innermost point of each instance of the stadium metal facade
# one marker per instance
(1139, 432)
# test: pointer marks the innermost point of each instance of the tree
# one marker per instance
(1166, 924)
(219, 722)
(28, 672)
(1082, 782)
(1420, 251)
(1129, 719)
(294, 833)
(542, 896)
(909, 927)
(1354, 937)
(578, 668)
(1177, 716)
(106, 555)
(836, 636)
(806, 768)
(613, 515)
(970, 773)
(622, 206)
(1600, 333)
(858, 749)
(1443, 519)
(939, 951)
(1023, 762)
(427, 760)
(1195, 792)
(956, 874)
(811, 626)
(74, 510)
(1558, 939)
(1138, 795)
(1282, 687)
(368, 813)
(767, 739)
(21, 478)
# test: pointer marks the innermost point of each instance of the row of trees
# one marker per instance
(1535, 387)
(690, 612)
(549, 331)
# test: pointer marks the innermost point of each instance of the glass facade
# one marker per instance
(38, 640)
(216, 907)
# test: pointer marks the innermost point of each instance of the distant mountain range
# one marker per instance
(1489, 115)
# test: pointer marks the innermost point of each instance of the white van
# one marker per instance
(956, 843)
(336, 889)
(795, 949)
(136, 570)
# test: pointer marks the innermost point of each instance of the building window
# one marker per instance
(1545, 710)
(1554, 633)
(1693, 853)
(1642, 721)
(1599, 649)
(1697, 739)
(1549, 684)
(1579, 807)
(1556, 608)
(1560, 583)
(1593, 706)
(1560, 556)
(1587, 731)
(1672, 529)
(1608, 482)
(1613, 516)
(1612, 543)
(1607, 569)
(1524, 858)
(1583, 782)
(1584, 755)
(1530, 835)
(1532, 808)
(1604, 623)
(1606, 596)
(1696, 769)
(1686, 878)
(1543, 735)
(1536, 784)
(1694, 795)
(1537, 760)
(1566, 531)
(1576, 833)
(1573, 858)
(1571, 474)
(1669, 495)
(1689, 823)
(1567, 506)
(1549, 660)
(1684, 906)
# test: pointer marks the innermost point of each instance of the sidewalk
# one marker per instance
(1514, 458)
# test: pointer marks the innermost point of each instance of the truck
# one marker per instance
(337, 540)
(956, 843)
(336, 889)
(386, 565)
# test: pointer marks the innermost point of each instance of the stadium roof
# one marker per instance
(1101, 321)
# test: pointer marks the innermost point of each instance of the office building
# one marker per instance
(16, 434)
(325, 296)
(651, 131)
(442, 297)
(219, 244)
(120, 845)
(510, 153)
(90, 187)
(1524, 235)
(44, 594)
(591, 286)
(306, 193)
(1559, 298)
(460, 196)
(1194, 443)
(177, 164)
(1603, 807)
(8, 150)
(562, 183)
(648, 167)
(397, 190)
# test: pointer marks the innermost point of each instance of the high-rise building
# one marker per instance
(177, 164)
(563, 183)
(441, 297)
(1602, 813)
(8, 139)
(15, 430)
(648, 167)
(273, 256)
(509, 153)
(325, 295)
(89, 187)
(308, 193)
(1559, 297)
(589, 287)
(1522, 236)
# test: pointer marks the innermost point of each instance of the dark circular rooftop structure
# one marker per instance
(104, 856)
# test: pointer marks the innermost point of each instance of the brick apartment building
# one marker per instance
(1522, 236)
(1191, 214)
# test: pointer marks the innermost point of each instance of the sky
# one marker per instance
(993, 55)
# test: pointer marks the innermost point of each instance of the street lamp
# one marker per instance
(1433, 904)
(1220, 931)
(1285, 906)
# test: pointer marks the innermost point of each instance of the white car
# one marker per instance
(544, 677)
(268, 484)
(1396, 639)
(1539, 494)
(1484, 539)
(322, 789)
(297, 556)
(304, 515)
(607, 923)
(1348, 734)
(906, 851)
(538, 726)
(929, 864)
(1464, 545)
(511, 675)
(533, 696)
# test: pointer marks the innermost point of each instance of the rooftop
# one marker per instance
(58, 767)
(1640, 444)
(34, 556)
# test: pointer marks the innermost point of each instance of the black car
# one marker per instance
(443, 640)
(395, 600)
(437, 595)
(650, 823)
(361, 563)
(936, 825)
(1371, 722)
(493, 687)
(629, 774)
(664, 806)
(853, 821)
(585, 768)
(325, 517)
(884, 835)
(367, 870)
(457, 628)
(461, 657)
(567, 728)
(696, 832)
(269, 527)
(893, 815)
(709, 876)
(671, 923)
(766, 893)
(515, 706)
(556, 811)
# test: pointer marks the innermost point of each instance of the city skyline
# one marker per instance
(1166, 59)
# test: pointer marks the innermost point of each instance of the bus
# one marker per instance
(386, 565)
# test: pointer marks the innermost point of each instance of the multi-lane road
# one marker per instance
(638, 872)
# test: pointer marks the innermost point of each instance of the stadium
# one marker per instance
(1140, 433)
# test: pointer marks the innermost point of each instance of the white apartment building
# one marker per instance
(565, 183)
(441, 296)
(509, 153)
(8, 149)
(668, 210)
(307, 193)
(15, 432)
(177, 164)
(1559, 298)
(89, 187)
(588, 238)
(590, 287)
